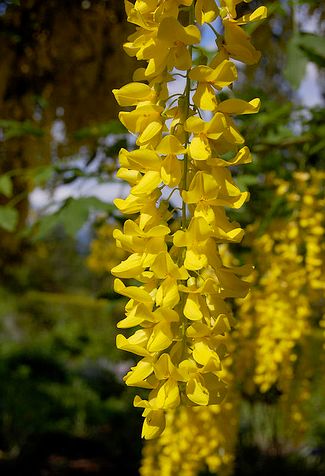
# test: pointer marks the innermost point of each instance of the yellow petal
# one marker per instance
(202, 187)
(133, 93)
(197, 392)
(162, 265)
(130, 267)
(132, 292)
(221, 324)
(135, 344)
(171, 31)
(160, 338)
(137, 120)
(206, 11)
(167, 294)
(168, 395)
(242, 157)
(135, 316)
(205, 97)
(238, 45)
(147, 184)
(165, 314)
(171, 171)
(150, 132)
(259, 14)
(216, 127)
(133, 204)
(164, 368)
(170, 145)
(224, 74)
(139, 403)
(140, 159)
(130, 176)
(231, 284)
(238, 106)
(180, 58)
(199, 148)
(194, 124)
(139, 74)
(192, 308)
(154, 424)
(195, 260)
(201, 73)
(136, 376)
(202, 353)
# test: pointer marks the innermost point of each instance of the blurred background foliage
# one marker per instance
(63, 406)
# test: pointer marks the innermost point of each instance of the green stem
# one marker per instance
(16, 199)
(186, 96)
(214, 30)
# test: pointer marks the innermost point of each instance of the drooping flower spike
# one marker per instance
(178, 284)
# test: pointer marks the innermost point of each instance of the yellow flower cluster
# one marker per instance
(178, 299)
(103, 254)
(195, 439)
(292, 403)
(279, 356)
(280, 317)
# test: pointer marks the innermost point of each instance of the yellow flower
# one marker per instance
(170, 47)
(146, 121)
(134, 93)
(237, 41)
(206, 11)
(171, 167)
(208, 79)
(177, 303)
(206, 135)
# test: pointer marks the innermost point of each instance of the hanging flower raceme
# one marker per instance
(178, 285)
(195, 438)
(280, 312)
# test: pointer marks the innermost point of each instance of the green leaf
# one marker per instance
(45, 225)
(42, 174)
(101, 130)
(14, 129)
(5, 186)
(72, 215)
(296, 62)
(317, 147)
(8, 218)
(313, 43)
(244, 181)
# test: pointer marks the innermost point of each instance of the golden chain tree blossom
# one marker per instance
(280, 313)
(177, 283)
(278, 338)
(276, 347)
(195, 438)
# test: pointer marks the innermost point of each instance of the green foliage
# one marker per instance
(14, 129)
(8, 218)
(72, 215)
(314, 47)
(60, 374)
(296, 61)
(40, 175)
(6, 187)
(303, 47)
(101, 130)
